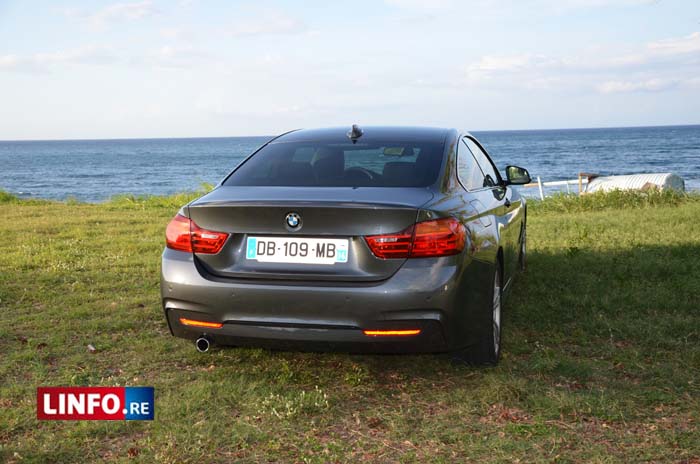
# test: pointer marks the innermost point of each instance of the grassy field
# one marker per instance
(601, 355)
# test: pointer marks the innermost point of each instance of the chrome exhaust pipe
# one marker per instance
(202, 344)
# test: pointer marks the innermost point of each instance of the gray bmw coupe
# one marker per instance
(398, 239)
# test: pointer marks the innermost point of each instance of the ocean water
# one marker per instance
(94, 170)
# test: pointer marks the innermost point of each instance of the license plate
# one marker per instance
(297, 250)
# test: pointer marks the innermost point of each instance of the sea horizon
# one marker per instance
(89, 139)
(95, 170)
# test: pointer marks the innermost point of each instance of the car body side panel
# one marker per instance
(478, 212)
(504, 205)
(511, 224)
(508, 213)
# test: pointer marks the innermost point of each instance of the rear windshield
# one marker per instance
(316, 164)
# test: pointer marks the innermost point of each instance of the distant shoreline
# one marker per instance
(233, 137)
(94, 170)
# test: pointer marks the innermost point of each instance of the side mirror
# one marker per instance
(517, 176)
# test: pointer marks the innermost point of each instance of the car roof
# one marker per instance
(370, 134)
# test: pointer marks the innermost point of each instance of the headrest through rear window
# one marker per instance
(399, 173)
(297, 173)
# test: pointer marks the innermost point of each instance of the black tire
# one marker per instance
(487, 350)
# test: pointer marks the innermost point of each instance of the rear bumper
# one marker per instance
(423, 294)
(314, 337)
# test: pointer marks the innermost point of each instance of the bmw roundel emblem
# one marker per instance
(293, 220)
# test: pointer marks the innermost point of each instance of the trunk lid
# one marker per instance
(326, 213)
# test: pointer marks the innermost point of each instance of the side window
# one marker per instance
(490, 175)
(303, 154)
(467, 168)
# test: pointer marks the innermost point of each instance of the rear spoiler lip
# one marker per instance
(300, 203)
(414, 197)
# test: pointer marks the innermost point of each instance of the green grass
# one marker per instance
(617, 199)
(601, 352)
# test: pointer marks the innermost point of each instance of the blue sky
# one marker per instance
(72, 69)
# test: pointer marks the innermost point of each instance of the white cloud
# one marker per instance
(174, 33)
(650, 85)
(676, 46)
(175, 56)
(90, 54)
(421, 4)
(8, 61)
(548, 5)
(117, 12)
(654, 67)
(510, 63)
(675, 51)
(500, 63)
(172, 56)
(599, 3)
(40, 62)
(270, 22)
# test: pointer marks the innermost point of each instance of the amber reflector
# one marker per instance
(391, 333)
(208, 325)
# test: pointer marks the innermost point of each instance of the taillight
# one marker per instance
(397, 245)
(440, 237)
(184, 235)
(206, 241)
(177, 234)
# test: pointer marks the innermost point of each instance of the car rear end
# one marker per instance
(319, 241)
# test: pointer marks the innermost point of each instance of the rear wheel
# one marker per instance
(487, 351)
